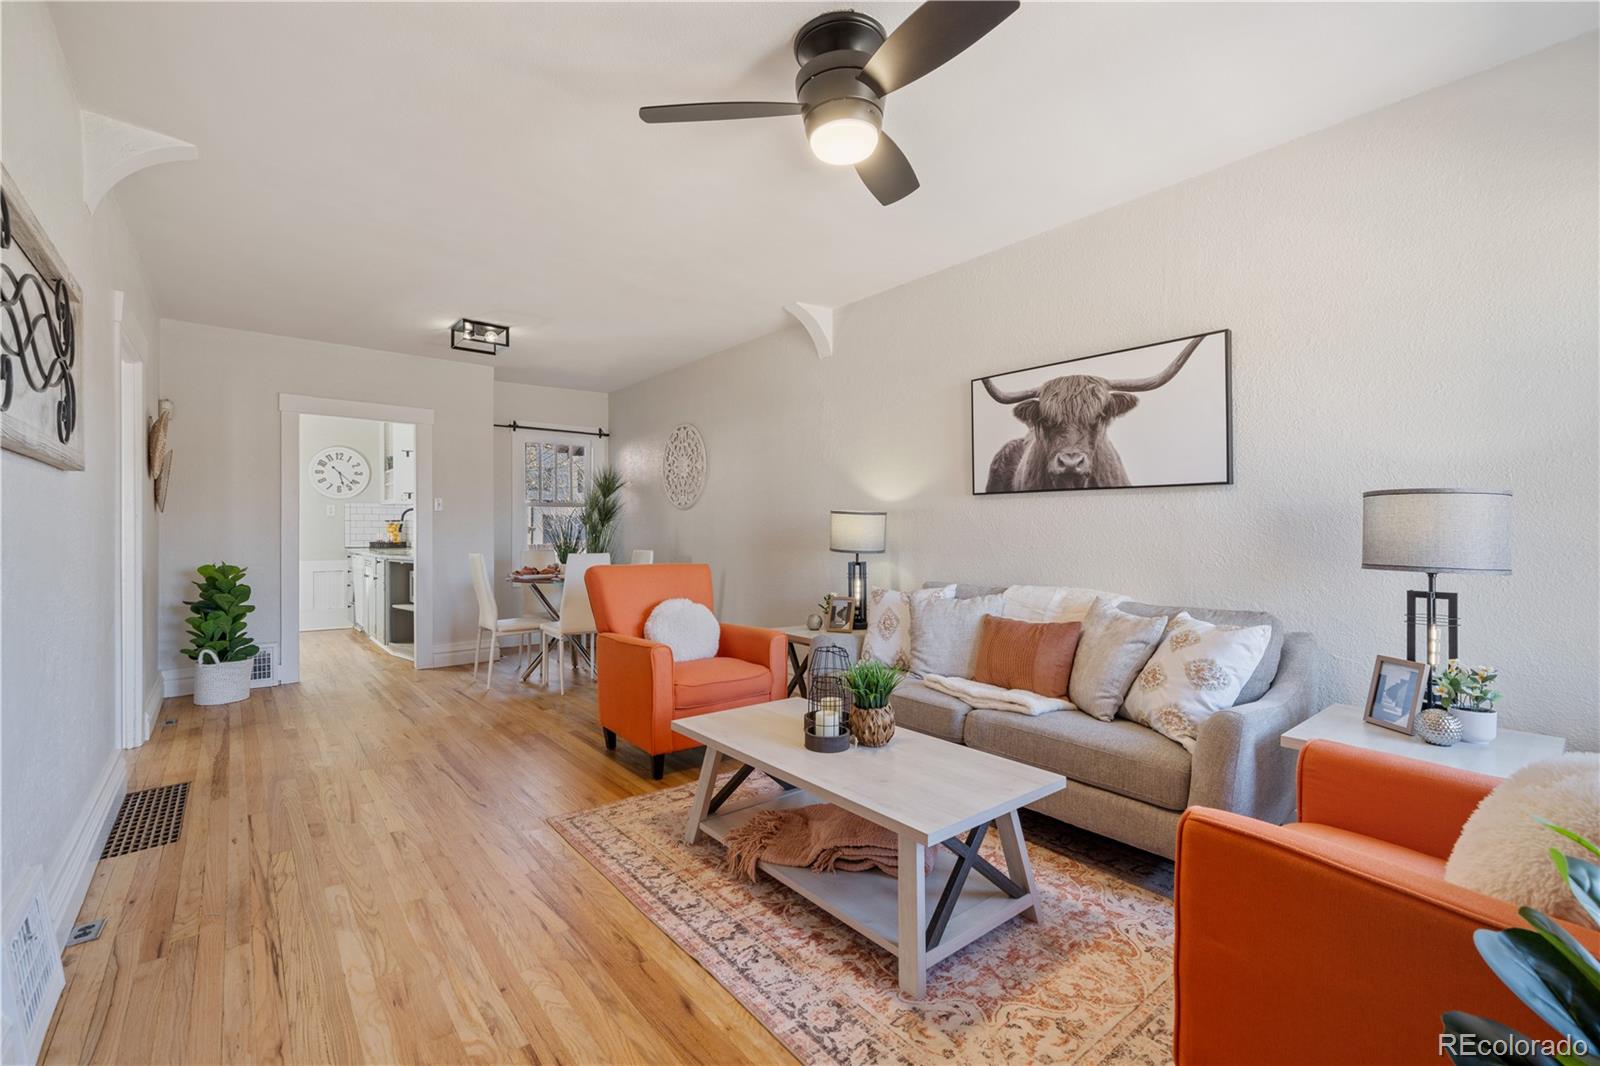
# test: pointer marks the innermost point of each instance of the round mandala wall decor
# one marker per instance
(683, 467)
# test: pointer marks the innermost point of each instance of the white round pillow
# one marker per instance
(1502, 852)
(687, 627)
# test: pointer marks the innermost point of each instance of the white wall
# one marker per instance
(59, 529)
(1412, 296)
(529, 405)
(224, 503)
(321, 533)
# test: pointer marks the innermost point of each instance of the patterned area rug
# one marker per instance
(1090, 983)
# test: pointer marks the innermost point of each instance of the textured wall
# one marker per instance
(227, 506)
(1413, 300)
(59, 529)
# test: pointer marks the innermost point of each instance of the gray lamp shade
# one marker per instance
(858, 532)
(1436, 531)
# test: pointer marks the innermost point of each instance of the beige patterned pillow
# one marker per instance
(1197, 671)
(888, 635)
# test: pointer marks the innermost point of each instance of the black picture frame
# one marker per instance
(1227, 385)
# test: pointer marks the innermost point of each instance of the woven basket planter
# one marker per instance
(218, 682)
(872, 726)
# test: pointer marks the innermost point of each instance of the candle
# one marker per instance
(829, 711)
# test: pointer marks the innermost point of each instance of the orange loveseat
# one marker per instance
(1335, 939)
(642, 690)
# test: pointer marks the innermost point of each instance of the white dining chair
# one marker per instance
(489, 620)
(643, 555)
(577, 616)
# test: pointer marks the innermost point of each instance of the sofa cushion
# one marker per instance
(888, 634)
(1114, 648)
(1034, 656)
(967, 592)
(944, 633)
(1053, 603)
(1266, 669)
(702, 682)
(918, 707)
(1118, 756)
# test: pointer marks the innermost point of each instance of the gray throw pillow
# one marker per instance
(944, 634)
(1266, 670)
(1113, 649)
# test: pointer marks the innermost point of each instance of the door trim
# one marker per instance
(132, 722)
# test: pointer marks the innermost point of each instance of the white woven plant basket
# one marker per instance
(219, 682)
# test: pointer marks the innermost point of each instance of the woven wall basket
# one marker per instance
(872, 726)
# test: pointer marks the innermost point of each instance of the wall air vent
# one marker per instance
(264, 667)
(33, 974)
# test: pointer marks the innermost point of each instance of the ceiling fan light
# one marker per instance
(844, 142)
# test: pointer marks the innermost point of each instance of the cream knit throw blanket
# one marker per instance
(821, 836)
(993, 697)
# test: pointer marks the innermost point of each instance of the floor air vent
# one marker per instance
(149, 818)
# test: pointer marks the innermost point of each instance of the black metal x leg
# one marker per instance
(728, 789)
(798, 681)
(967, 860)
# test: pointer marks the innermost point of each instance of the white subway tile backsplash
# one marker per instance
(365, 522)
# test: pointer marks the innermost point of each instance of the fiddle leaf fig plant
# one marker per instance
(216, 616)
(1545, 967)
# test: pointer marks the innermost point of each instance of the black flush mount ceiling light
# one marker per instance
(482, 338)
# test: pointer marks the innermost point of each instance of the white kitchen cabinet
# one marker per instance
(359, 566)
(399, 462)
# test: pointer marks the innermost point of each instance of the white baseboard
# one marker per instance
(67, 881)
(460, 653)
(178, 681)
(152, 706)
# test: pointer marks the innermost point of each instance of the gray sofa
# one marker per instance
(1127, 781)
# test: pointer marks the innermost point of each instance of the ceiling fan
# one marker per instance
(847, 66)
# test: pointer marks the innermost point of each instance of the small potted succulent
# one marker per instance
(217, 629)
(871, 718)
(1468, 692)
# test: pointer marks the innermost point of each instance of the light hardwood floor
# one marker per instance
(366, 875)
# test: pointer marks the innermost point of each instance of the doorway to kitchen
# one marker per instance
(356, 538)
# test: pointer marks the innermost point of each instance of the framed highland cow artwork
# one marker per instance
(1155, 416)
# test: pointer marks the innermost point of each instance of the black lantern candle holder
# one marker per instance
(828, 700)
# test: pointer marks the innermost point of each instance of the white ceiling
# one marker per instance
(368, 172)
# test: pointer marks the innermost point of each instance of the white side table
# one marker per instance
(1504, 756)
(802, 637)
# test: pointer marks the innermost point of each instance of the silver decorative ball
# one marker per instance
(1438, 726)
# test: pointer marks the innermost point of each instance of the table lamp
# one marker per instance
(858, 533)
(1433, 532)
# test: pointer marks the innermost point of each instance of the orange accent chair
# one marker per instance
(1336, 939)
(642, 690)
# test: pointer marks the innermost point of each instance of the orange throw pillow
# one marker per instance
(1036, 656)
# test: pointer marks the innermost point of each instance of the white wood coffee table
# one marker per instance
(928, 791)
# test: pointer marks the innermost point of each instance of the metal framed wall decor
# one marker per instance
(1155, 416)
(41, 378)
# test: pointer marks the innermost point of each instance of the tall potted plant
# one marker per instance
(217, 630)
(601, 509)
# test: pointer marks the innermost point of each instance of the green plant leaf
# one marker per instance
(1563, 942)
(1542, 977)
(1583, 879)
(1576, 838)
(1460, 1024)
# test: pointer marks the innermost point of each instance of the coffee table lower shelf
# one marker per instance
(869, 902)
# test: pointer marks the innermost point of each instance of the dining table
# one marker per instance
(537, 584)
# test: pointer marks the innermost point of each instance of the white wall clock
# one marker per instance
(339, 472)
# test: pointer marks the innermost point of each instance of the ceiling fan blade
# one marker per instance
(716, 112)
(887, 173)
(930, 37)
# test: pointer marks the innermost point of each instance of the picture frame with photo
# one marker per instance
(1396, 694)
(841, 614)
